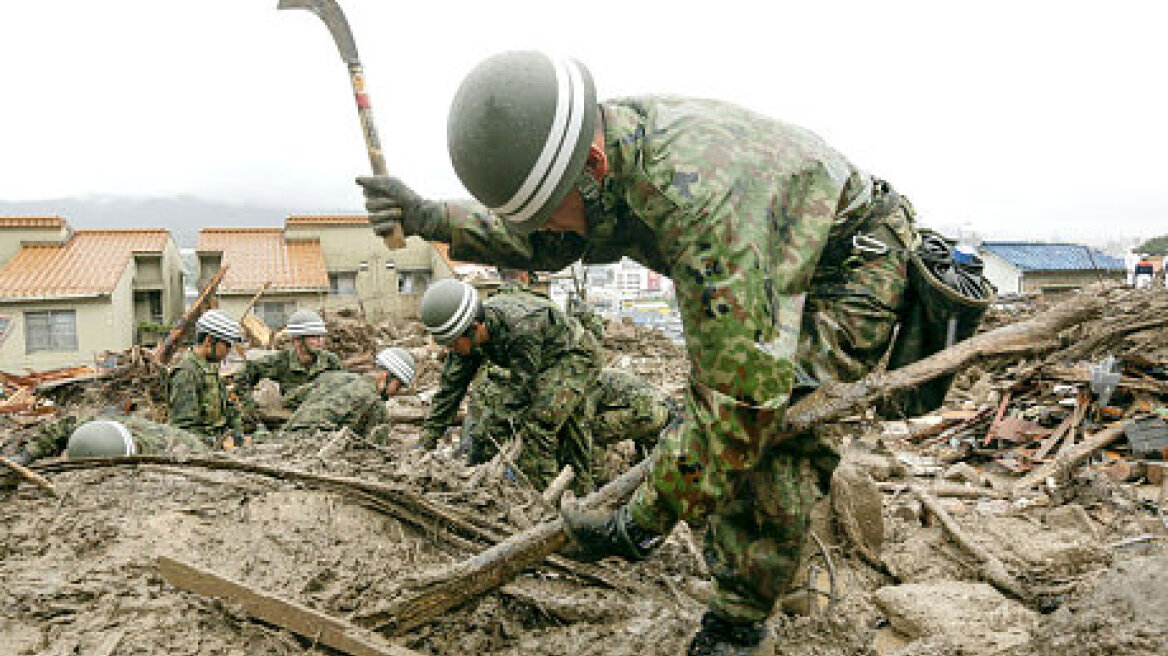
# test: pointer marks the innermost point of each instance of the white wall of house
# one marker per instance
(12, 238)
(102, 323)
(1006, 277)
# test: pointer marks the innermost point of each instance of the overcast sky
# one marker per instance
(1022, 118)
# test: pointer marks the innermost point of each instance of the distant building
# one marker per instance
(1024, 267)
(68, 296)
(319, 262)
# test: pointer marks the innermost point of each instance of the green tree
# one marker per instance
(1154, 246)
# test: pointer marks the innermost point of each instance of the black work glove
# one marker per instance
(389, 201)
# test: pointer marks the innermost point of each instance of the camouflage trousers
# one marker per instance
(621, 406)
(51, 438)
(756, 488)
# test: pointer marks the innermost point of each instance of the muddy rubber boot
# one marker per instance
(718, 637)
(596, 534)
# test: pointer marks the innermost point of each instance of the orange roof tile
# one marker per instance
(327, 219)
(31, 222)
(89, 262)
(256, 255)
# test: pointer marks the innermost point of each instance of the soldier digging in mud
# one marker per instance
(790, 265)
(294, 367)
(342, 399)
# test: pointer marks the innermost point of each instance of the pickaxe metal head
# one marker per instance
(330, 12)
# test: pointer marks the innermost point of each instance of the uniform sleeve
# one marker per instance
(457, 373)
(254, 370)
(184, 400)
(295, 396)
(333, 362)
(479, 236)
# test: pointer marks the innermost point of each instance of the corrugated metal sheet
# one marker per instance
(256, 255)
(90, 262)
(1029, 256)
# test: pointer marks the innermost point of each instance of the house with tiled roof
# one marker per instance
(67, 296)
(319, 262)
(1016, 267)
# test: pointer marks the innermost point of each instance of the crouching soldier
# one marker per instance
(127, 435)
(294, 367)
(339, 399)
(554, 363)
(198, 399)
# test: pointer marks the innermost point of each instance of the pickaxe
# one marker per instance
(334, 19)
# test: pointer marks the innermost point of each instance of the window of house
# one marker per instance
(5, 327)
(51, 330)
(275, 313)
(413, 282)
(343, 283)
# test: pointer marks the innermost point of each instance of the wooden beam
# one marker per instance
(295, 617)
(1070, 458)
(30, 476)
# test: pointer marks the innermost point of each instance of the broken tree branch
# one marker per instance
(992, 569)
(284, 613)
(834, 400)
(502, 562)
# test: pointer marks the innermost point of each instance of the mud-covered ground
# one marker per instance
(79, 574)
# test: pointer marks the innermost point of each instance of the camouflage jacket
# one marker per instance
(552, 360)
(198, 398)
(286, 369)
(736, 208)
(337, 399)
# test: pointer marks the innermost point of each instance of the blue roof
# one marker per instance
(1029, 256)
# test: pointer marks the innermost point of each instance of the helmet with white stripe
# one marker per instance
(305, 323)
(399, 362)
(518, 133)
(100, 439)
(449, 307)
(217, 324)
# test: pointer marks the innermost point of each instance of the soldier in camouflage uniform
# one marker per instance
(789, 266)
(621, 406)
(553, 363)
(339, 399)
(198, 399)
(294, 367)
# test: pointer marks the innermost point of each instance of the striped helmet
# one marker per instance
(399, 362)
(305, 323)
(449, 307)
(518, 133)
(217, 324)
(100, 439)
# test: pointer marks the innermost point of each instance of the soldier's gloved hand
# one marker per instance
(389, 201)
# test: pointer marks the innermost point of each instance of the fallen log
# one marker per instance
(555, 489)
(992, 569)
(286, 614)
(30, 476)
(1065, 461)
(835, 400)
(500, 563)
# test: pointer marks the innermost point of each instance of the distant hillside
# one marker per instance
(183, 215)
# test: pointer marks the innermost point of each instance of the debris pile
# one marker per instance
(929, 543)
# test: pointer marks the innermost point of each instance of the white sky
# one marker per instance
(1021, 117)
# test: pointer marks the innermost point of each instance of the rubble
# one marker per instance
(1087, 554)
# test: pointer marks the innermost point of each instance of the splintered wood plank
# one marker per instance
(297, 618)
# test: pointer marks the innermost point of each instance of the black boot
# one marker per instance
(719, 637)
(595, 534)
